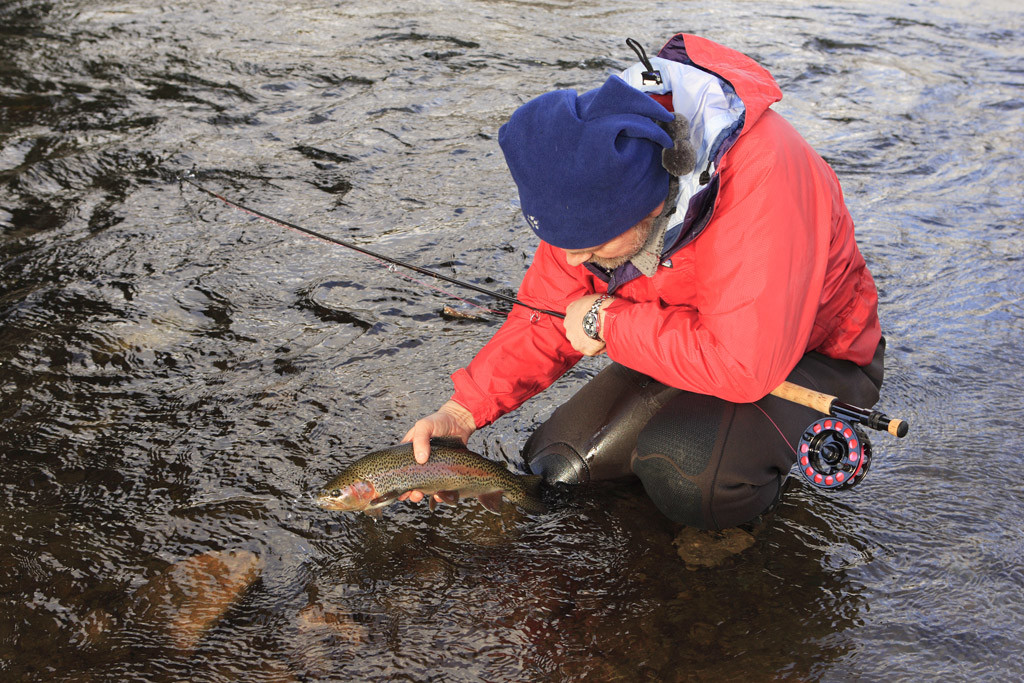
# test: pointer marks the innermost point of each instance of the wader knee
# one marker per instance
(711, 464)
(592, 435)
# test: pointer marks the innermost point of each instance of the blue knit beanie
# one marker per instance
(588, 167)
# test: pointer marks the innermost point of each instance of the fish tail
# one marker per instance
(532, 490)
(532, 484)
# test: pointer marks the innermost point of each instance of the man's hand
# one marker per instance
(450, 420)
(573, 325)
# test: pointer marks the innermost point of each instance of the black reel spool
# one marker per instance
(833, 454)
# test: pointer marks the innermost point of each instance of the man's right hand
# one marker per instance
(450, 420)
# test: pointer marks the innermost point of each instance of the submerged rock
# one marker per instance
(188, 598)
(699, 548)
(316, 619)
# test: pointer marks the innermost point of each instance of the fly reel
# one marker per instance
(833, 454)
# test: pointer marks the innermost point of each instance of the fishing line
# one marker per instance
(389, 262)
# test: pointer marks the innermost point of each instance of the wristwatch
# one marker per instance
(591, 321)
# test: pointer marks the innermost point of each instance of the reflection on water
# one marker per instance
(177, 379)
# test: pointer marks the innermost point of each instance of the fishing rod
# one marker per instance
(187, 178)
(833, 452)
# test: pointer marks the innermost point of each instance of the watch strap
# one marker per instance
(592, 319)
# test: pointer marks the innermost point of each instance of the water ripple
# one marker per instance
(177, 378)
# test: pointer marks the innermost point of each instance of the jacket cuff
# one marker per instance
(470, 396)
(608, 316)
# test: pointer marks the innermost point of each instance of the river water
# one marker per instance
(177, 378)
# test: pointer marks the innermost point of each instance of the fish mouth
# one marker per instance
(335, 504)
(329, 504)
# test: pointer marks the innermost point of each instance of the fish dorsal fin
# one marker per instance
(447, 442)
(491, 501)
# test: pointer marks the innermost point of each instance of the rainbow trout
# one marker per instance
(452, 472)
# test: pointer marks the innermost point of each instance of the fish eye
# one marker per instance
(336, 493)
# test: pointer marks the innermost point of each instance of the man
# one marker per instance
(691, 234)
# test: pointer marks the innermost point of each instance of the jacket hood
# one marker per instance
(722, 93)
(748, 79)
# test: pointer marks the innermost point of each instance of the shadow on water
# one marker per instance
(175, 379)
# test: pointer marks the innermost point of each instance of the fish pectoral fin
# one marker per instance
(449, 497)
(491, 501)
(431, 503)
(381, 501)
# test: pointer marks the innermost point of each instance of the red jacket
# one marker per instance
(774, 272)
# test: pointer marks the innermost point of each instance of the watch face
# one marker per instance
(590, 324)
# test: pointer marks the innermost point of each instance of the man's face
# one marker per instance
(617, 251)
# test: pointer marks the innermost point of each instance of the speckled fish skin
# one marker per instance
(454, 472)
